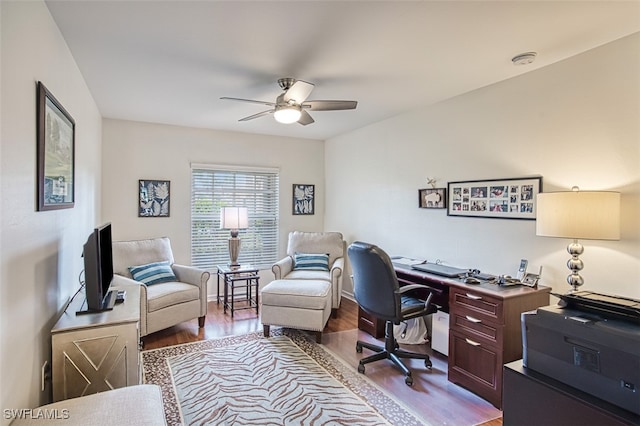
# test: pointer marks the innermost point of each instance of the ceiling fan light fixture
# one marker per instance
(287, 114)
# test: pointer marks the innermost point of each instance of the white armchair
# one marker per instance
(166, 303)
(330, 243)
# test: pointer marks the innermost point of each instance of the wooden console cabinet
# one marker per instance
(96, 352)
(532, 399)
(484, 327)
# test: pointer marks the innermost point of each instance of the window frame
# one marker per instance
(214, 186)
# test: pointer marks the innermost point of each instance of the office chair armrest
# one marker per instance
(406, 288)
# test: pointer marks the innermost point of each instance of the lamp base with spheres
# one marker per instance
(574, 279)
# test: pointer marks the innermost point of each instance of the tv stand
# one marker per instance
(96, 351)
(108, 303)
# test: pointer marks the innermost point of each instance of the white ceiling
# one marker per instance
(171, 61)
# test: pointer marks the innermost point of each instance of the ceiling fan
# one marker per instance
(292, 105)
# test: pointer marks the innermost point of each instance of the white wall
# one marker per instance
(134, 150)
(575, 123)
(40, 256)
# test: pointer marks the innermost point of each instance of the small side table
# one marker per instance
(244, 278)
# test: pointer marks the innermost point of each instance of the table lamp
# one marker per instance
(587, 215)
(234, 218)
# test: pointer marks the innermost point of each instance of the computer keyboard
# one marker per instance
(438, 269)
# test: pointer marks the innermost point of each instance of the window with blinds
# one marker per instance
(215, 187)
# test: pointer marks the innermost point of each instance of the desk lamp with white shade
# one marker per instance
(234, 219)
(575, 214)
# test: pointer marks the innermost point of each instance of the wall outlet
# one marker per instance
(45, 375)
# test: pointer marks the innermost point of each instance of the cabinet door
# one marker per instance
(476, 365)
(96, 359)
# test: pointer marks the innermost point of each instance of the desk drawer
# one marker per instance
(482, 307)
(472, 325)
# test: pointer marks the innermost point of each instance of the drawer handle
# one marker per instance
(472, 319)
(471, 342)
(474, 297)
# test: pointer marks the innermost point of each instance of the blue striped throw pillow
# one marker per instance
(311, 261)
(153, 273)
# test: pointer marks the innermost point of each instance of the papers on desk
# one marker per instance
(406, 261)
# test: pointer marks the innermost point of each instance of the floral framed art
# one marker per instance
(154, 198)
(513, 198)
(432, 198)
(56, 153)
(303, 199)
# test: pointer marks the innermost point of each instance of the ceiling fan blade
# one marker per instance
(299, 92)
(260, 114)
(329, 105)
(248, 100)
(305, 118)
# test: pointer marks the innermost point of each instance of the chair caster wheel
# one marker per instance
(409, 380)
(361, 368)
(358, 348)
(428, 364)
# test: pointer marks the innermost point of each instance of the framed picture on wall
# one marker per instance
(432, 198)
(303, 199)
(513, 198)
(56, 153)
(154, 198)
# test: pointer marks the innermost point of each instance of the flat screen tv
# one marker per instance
(98, 270)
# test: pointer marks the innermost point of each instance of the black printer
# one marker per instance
(590, 341)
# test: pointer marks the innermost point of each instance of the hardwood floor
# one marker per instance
(432, 396)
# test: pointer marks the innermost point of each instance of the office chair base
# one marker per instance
(394, 354)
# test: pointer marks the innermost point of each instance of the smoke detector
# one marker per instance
(524, 58)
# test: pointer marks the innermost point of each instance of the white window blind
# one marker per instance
(213, 188)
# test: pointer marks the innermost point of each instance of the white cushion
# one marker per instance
(140, 252)
(316, 242)
(162, 295)
(306, 294)
(308, 275)
(134, 406)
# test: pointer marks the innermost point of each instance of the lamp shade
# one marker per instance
(234, 218)
(287, 114)
(589, 215)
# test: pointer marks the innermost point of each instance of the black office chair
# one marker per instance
(377, 291)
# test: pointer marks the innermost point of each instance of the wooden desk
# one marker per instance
(484, 327)
(531, 398)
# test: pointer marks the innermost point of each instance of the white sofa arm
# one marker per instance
(282, 267)
(336, 280)
(337, 268)
(191, 275)
(196, 276)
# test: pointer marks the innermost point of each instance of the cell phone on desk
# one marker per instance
(522, 269)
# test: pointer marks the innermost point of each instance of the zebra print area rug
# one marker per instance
(284, 380)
